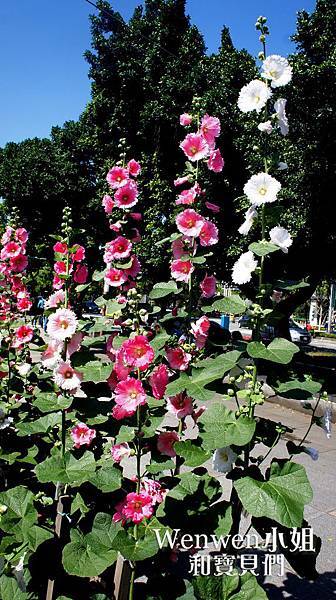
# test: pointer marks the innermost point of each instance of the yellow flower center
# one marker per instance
(224, 456)
(193, 150)
(64, 324)
(262, 191)
(133, 395)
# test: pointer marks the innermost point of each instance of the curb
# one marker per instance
(296, 404)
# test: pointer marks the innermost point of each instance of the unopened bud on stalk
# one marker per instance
(3, 509)
(230, 392)
(262, 38)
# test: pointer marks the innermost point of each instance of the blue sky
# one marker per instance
(44, 78)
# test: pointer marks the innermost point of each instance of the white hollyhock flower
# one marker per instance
(282, 166)
(250, 215)
(262, 188)
(253, 96)
(281, 237)
(277, 69)
(280, 108)
(266, 127)
(223, 459)
(23, 369)
(243, 268)
(62, 324)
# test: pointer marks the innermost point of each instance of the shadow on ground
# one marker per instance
(294, 588)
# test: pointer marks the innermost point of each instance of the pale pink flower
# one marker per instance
(180, 405)
(7, 235)
(23, 335)
(187, 197)
(81, 274)
(178, 358)
(215, 162)
(158, 381)
(62, 324)
(200, 330)
(115, 277)
(120, 451)
(57, 282)
(121, 412)
(108, 204)
(138, 352)
(135, 268)
(180, 181)
(195, 147)
(134, 168)
(116, 227)
(10, 250)
(127, 195)
(74, 343)
(55, 299)
(82, 435)
(210, 129)
(209, 234)
(181, 270)
(165, 443)
(117, 177)
(153, 489)
(208, 286)
(52, 355)
(189, 222)
(185, 119)
(138, 507)
(67, 378)
(60, 248)
(119, 248)
(21, 235)
(130, 394)
(213, 207)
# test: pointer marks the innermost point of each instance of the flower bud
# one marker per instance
(262, 38)
(230, 392)
(3, 509)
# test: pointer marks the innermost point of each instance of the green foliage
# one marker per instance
(222, 428)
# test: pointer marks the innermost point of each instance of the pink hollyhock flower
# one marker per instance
(158, 381)
(180, 405)
(200, 330)
(189, 222)
(153, 489)
(10, 250)
(24, 303)
(134, 168)
(81, 274)
(52, 355)
(138, 507)
(210, 129)
(115, 277)
(209, 234)
(7, 235)
(215, 162)
(121, 412)
(55, 299)
(120, 451)
(180, 181)
(165, 443)
(186, 197)
(23, 335)
(213, 207)
(57, 282)
(135, 268)
(116, 227)
(121, 366)
(119, 248)
(138, 352)
(21, 235)
(60, 248)
(110, 350)
(79, 253)
(208, 286)
(127, 195)
(118, 516)
(130, 394)
(82, 435)
(108, 204)
(185, 119)
(18, 263)
(60, 267)
(136, 216)
(181, 270)
(117, 177)
(62, 324)
(17, 284)
(178, 248)
(74, 344)
(178, 358)
(195, 147)
(66, 377)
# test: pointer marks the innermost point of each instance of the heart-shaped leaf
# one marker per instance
(279, 350)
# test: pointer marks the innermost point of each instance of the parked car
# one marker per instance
(299, 335)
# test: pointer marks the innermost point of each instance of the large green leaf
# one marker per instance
(221, 427)
(66, 469)
(187, 484)
(107, 478)
(250, 589)
(96, 371)
(40, 425)
(234, 305)
(162, 289)
(301, 390)
(20, 508)
(133, 549)
(35, 536)
(263, 248)
(279, 350)
(89, 555)
(49, 402)
(216, 588)
(281, 498)
(193, 455)
(9, 589)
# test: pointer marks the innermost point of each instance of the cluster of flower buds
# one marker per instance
(14, 296)
(69, 261)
